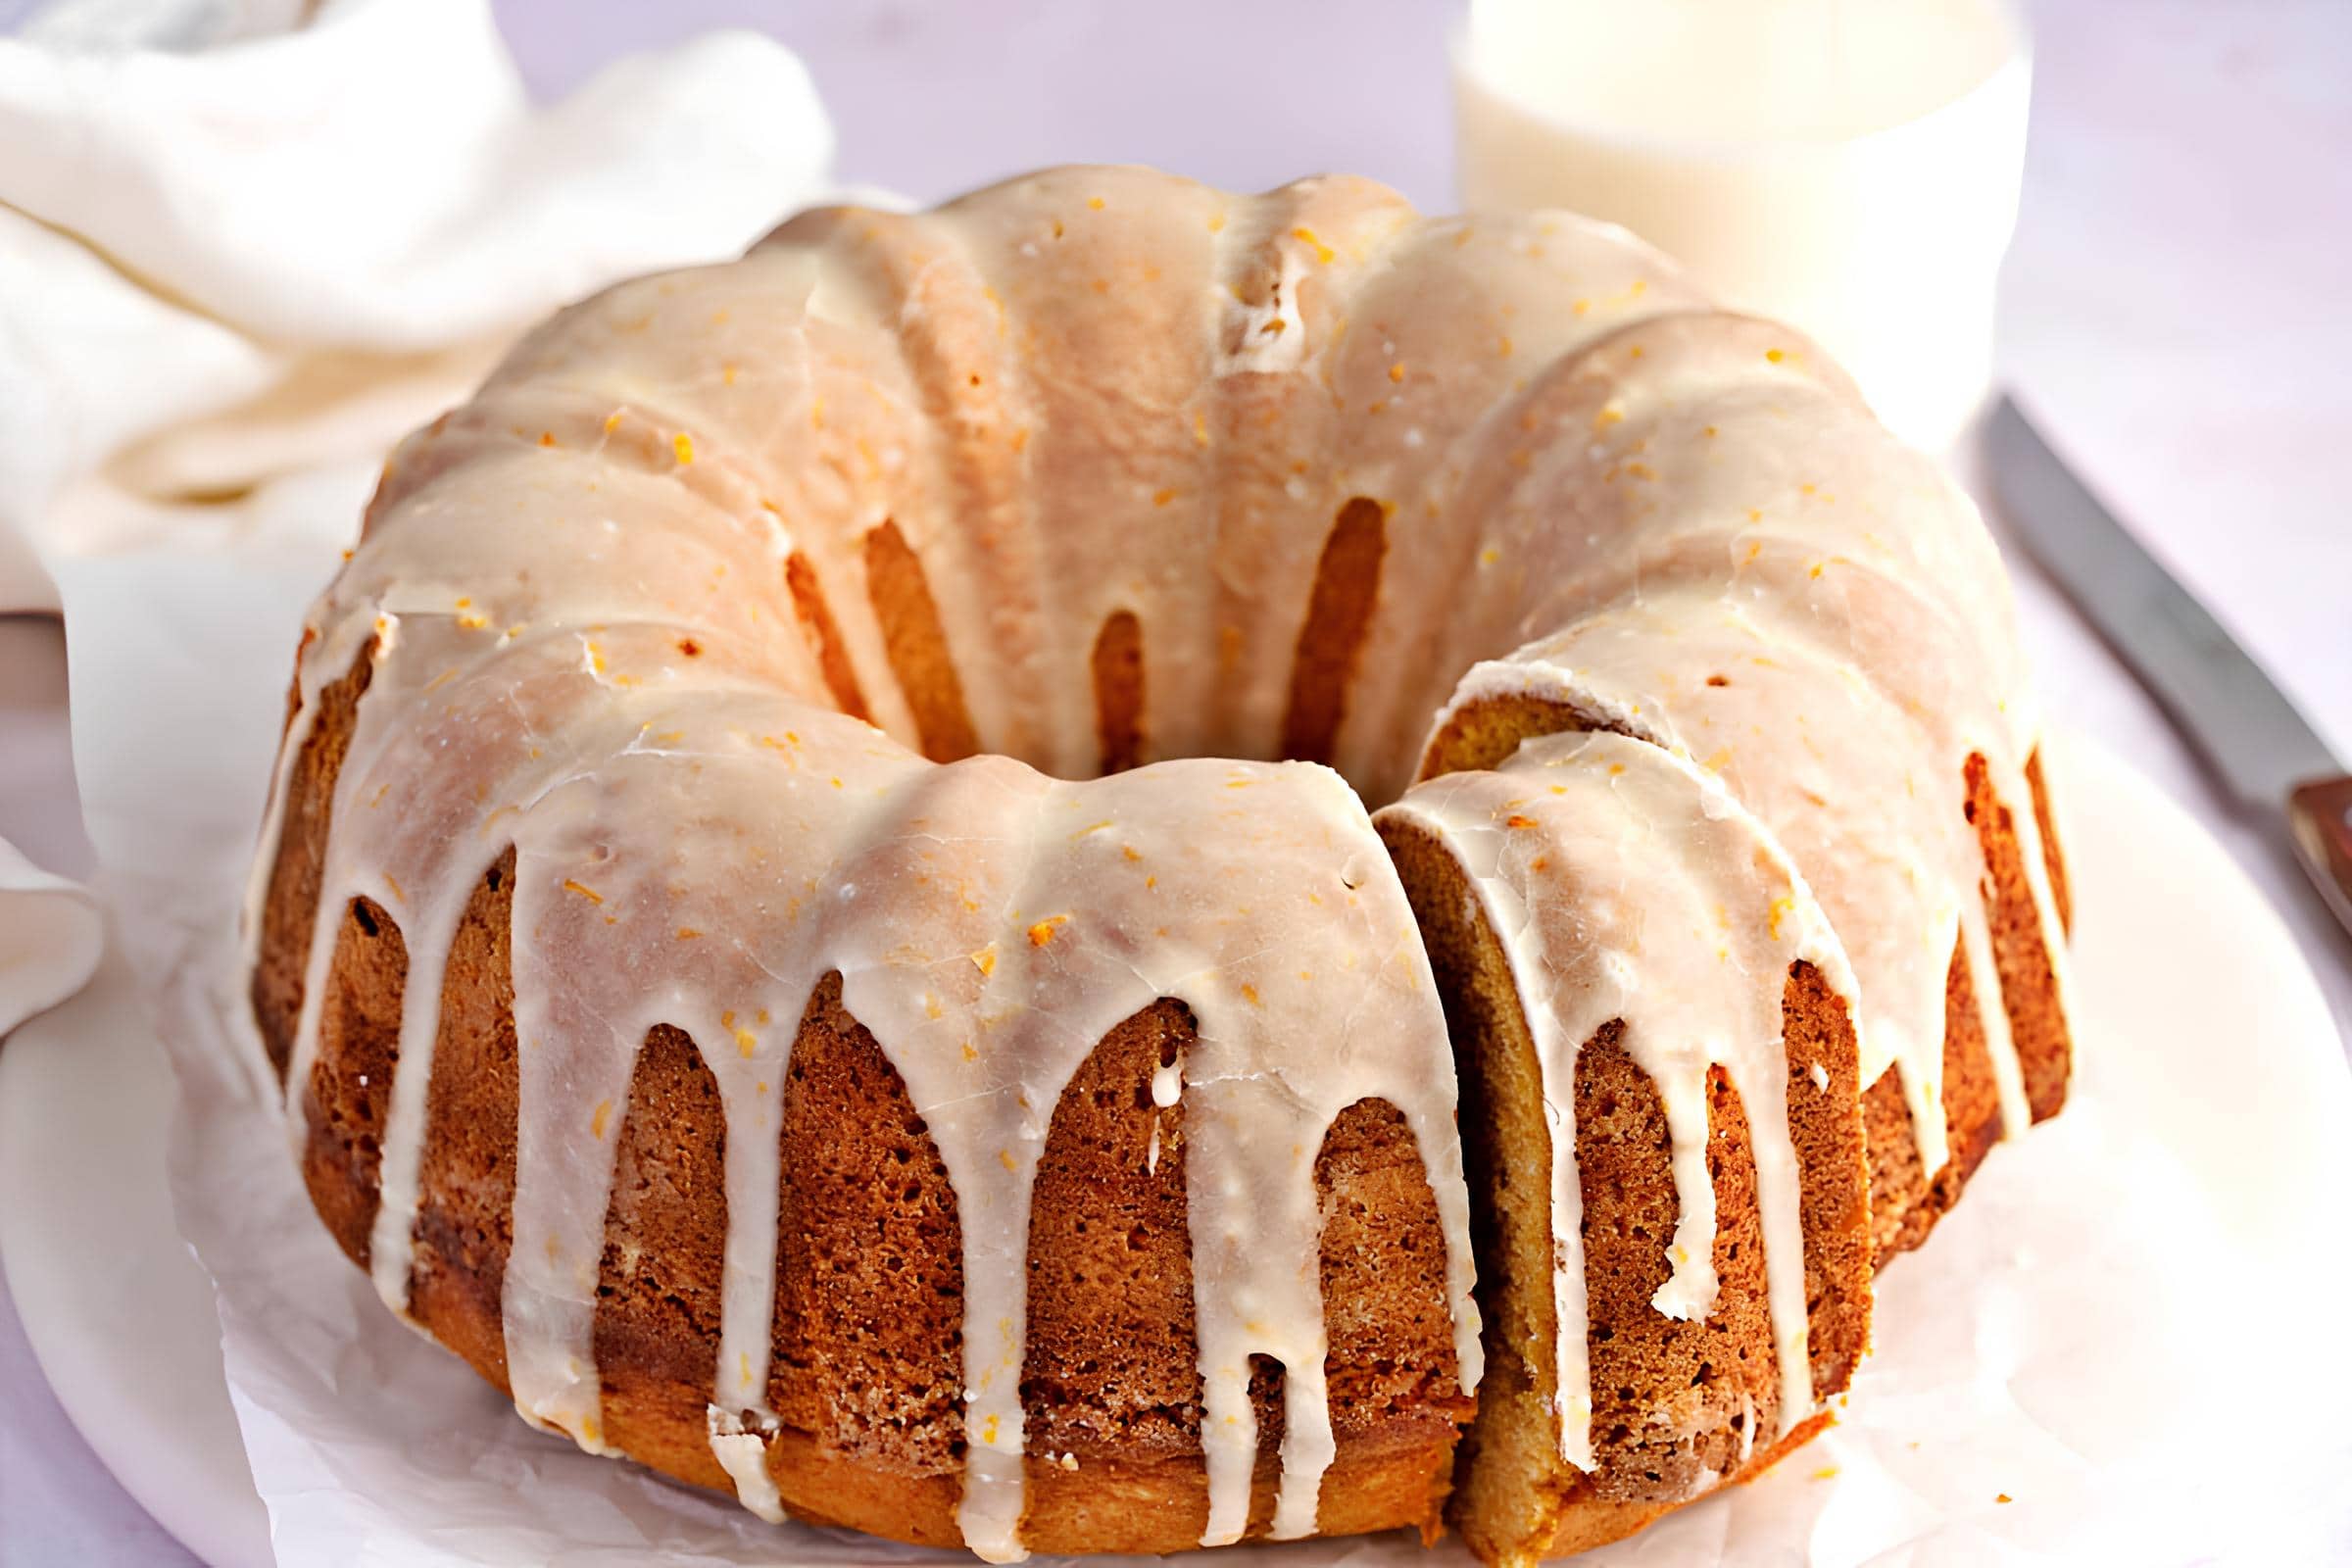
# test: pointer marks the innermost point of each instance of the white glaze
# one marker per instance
(1733, 511)
(742, 1451)
(1626, 885)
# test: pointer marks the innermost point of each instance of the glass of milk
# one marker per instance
(1849, 166)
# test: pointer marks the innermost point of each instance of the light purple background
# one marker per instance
(2174, 309)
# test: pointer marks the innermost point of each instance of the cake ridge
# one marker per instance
(1574, 807)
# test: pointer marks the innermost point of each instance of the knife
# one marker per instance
(2239, 722)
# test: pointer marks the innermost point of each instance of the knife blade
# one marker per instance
(2217, 695)
(2229, 708)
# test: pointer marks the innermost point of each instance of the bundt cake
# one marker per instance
(764, 960)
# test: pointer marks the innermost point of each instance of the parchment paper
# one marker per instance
(2131, 1327)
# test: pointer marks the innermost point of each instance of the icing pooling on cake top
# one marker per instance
(617, 604)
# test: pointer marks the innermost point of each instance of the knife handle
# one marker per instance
(2320, 814)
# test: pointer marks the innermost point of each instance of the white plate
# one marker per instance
(116, 1307)
(2204, 1027)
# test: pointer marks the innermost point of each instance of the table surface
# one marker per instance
(2171, 312)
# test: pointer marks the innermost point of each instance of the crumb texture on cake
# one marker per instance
(1661, 1104)
(820, 924)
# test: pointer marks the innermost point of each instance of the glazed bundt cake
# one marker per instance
(765, 961)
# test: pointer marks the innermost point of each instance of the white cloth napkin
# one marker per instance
(245, 245)
(239, 258)
(50, 936)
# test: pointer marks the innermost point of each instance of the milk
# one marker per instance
(1847, 165)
